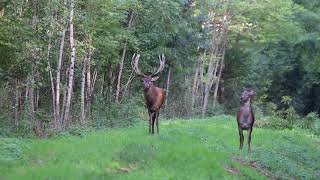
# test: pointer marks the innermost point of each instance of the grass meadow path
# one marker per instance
(185, 149)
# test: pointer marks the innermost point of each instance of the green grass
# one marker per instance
(184, 149)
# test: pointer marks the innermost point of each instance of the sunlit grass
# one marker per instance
(188, 149)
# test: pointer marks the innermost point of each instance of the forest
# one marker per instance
(66, 69)
(66, 63)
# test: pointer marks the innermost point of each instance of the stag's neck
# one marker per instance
(149, 89)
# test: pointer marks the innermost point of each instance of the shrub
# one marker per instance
(311, 122)
(118, 114)
(215, 110)
(10, 149)
(277, 122)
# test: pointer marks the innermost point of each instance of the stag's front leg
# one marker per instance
(150, 120)
(153, 118)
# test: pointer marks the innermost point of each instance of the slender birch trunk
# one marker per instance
(208, 85)
(219, 77)
(72, 65)
(16, 103)
(58, 83)
(201, 84)
(218, 45)
(31, 78)
(194, 87)
(64, 101)
(168, 86)
(120, 71)
(51, 81)
(121, 64)
(91, 80)
(83, 83)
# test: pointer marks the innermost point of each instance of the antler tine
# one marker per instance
(162, 60)
(135, 64)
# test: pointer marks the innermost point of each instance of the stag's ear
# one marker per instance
(155, 78)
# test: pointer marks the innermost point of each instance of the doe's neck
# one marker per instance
(247, 103)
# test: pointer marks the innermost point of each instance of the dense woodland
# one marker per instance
(67, 63)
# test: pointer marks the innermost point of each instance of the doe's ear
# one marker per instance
(253, 92)
(155, 78)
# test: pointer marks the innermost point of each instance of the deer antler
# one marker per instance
(162, 60)
(135, 64)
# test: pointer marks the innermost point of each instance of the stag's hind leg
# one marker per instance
(157, 121)
(241, 138)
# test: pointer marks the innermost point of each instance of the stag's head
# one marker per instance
(247, 95)
(147, 79)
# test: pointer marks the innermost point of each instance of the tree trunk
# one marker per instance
(31, 79)
(195, 85)
(90, 94)
(218, 52)
(201, 85)
(37, 100)
(31, 92)
(121, 64)
(16, 103)
(112, 79)
(205, 103)
(52, 83)
(125, 87)
(208, 85)
(72, 65)
(58, 84)
(120, 71)
(64, 101)
(218, 78)
(168, 86)
(83, 83)
(91, 80)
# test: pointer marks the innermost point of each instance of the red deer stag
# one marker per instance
(245, 116)
(153, 95)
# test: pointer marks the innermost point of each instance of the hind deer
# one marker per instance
(154, 96)
(245, 116)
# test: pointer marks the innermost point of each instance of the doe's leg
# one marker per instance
(241, 138)
(249, 139)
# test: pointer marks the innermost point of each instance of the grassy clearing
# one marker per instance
(189, 149)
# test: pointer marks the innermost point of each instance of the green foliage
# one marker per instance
(216, 110)
(11, 150)
(273, 46)
(310, 122)
(119, 115)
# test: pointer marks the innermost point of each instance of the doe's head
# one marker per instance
(247, 95)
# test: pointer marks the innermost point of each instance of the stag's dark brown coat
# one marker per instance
(154, 96)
